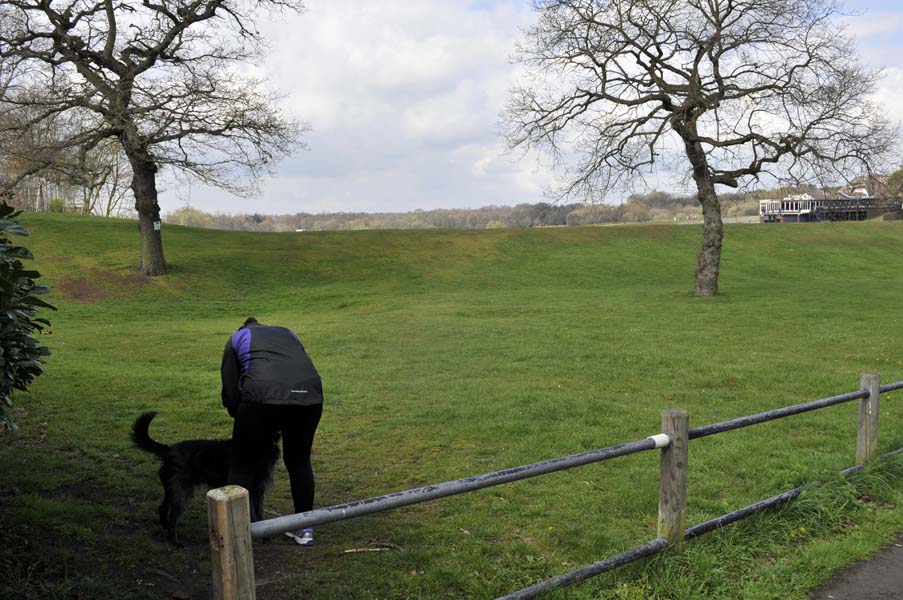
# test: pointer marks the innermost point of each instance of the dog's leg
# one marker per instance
(257, 503)
(178, 495)
(261, 485)
(165, 510)
(167, 521)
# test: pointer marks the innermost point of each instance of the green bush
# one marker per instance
(20, 354)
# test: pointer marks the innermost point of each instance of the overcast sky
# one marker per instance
(403, 97)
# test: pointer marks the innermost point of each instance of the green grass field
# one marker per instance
(451, 353)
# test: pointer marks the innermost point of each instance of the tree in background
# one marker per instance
(895, 183)
(104, 179)
(735, 88)
(158, 77)
(42, 172)
(20, 355)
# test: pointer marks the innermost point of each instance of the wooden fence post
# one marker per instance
(867, 435)
(672, 497)
(229, 518)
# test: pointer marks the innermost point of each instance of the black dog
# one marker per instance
(192, 463)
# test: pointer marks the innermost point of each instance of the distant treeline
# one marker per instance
(653, 206)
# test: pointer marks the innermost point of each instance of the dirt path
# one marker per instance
(880, 578)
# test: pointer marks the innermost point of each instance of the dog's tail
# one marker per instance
(142, 438)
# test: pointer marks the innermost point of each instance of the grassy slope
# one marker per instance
(451, 353)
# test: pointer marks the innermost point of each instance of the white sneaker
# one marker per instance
(305, 537)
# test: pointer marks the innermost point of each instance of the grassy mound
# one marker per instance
(451, 353)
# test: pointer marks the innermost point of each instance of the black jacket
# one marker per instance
(268, 365)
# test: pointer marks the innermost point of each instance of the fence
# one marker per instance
(231, 531)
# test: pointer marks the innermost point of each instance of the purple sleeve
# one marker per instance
(241, 343)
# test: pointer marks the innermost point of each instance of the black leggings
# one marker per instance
(253, 431)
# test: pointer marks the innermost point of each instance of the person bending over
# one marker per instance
(270, 385)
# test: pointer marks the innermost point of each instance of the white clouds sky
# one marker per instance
(404, 100)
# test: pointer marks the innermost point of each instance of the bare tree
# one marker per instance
(737, 88)
(46, 171)
(160, 77)
(105, 173)
(895, 183)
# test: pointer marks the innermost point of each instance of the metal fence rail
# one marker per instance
(650, 548)
(270, 527)
(655, 546)
(231, 531)
(619, 560)
(771, 415)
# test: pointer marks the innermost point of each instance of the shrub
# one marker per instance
(20, 354)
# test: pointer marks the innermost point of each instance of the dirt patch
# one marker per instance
(100, 284)
(55, 260)
(126, 278)
(81, 289)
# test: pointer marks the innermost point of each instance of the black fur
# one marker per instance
(192, 463)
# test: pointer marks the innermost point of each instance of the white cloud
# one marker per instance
(391, 52)
(403, 98)
(890, 93)
(872, 24)
(451, 119)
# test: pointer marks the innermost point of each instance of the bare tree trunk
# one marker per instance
(144, 185)
(708, 263)
(86, 186)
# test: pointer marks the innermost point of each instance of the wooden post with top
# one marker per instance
(229, 518)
